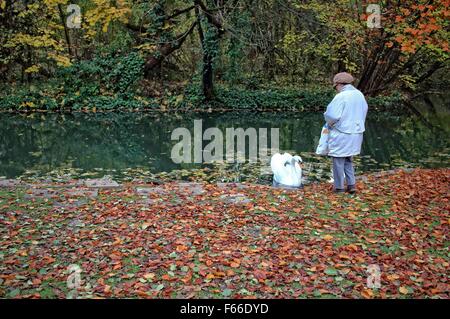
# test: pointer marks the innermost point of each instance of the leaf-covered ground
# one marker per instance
(236, 241)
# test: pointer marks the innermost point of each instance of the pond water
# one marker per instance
(131, 146)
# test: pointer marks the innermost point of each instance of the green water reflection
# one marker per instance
(133, 145)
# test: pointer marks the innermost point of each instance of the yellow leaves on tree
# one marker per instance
(54, 3)
(147, 47)
(42, 39)
(104, 13)
(61, 60)
(39, 41)
(32, 69)
(49, 38)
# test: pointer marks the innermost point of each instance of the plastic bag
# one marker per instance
(323, 148)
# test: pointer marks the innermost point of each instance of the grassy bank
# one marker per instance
(220, 241)
(92, 98)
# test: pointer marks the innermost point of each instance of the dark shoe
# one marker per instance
(351, 189)
(338, 190)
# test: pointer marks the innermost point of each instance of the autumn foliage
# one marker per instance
(277, 244)
(282, 42)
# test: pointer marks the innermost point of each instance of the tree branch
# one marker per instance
(167, 49)
(178, 12)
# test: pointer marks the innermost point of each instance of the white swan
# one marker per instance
(286, 169)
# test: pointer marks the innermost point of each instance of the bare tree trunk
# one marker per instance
(207, 69)
(66, 30)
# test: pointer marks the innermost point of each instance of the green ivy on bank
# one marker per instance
(112, 82)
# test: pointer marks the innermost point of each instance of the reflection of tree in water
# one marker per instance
(117, 141)
(404, 138)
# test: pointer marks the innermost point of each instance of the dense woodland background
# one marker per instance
(170, 53)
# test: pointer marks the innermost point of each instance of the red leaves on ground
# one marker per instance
(278, 243)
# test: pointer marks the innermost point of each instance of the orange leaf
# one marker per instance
(145, 226)
(392, 277)
(367, 293)
(209, 262)
(403, 290)
(181, 248)
(149, 275)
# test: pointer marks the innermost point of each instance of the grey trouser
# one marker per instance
(343, 169)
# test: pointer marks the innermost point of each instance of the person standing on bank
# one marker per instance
(345, 115)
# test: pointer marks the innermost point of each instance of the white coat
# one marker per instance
(346, 115)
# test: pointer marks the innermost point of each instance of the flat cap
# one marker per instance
(343, 78)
